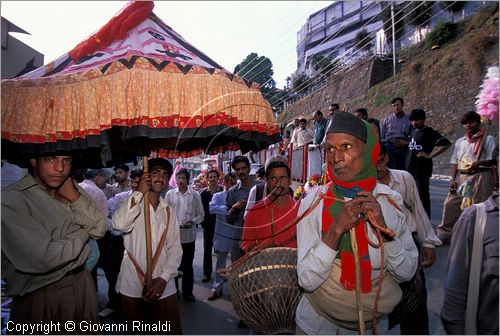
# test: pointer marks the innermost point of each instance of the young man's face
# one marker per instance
(360, 115)
(302, 125)
(100, 180)
(471, 126)
(212, 179)
(278, 181)
(121, 175)
(228, 183)
(242, 171)
(332, 109)
(52, 171)
(397, 107)
(159, 179)
(134, 182)
(182, 181)
(418, 123)
(344, 153)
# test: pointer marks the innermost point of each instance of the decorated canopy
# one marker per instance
(134, 86)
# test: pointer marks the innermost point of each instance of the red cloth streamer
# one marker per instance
(116, 29)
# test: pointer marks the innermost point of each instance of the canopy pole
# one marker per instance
(359, 300)
(147, 223)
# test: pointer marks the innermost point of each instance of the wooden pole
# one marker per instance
(147, 223)
(359, 299)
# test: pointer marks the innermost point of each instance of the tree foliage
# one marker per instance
(363, 40)
(398, 19)
(300, 83)
(419, 13)
(257, 69)
(454, 7)
(323, 65)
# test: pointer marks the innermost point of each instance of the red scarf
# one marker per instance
(475, 139)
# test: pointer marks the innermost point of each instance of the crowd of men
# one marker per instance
(374, 204)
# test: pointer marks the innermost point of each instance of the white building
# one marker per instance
(331, 32)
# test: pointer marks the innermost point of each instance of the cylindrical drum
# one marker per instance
(265, 290)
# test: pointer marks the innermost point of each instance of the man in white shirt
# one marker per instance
(96, 193)
(417, 322)
(326, 261)
(470, 168)
(189, 212)
(122, 183)
(302, 135)
(98, 250)
(157, 304)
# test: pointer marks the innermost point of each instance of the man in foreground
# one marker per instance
(159, 302)
(353, 199)
(470, 304)
(47, 221)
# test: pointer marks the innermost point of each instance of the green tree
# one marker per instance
(323, 65)
(257, 69)
(398, 19)
(419, 14)
(454, 7)
(300, 83)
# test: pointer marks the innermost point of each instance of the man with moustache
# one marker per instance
(351, 200)
(47, 221)
(394, 132)
(122, 173)
(236, 202)
(273, 213)
(159, 302)
(189, 212)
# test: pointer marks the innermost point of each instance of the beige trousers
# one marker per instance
(482, 189)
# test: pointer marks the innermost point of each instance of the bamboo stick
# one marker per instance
(359, 299)
(147, 223)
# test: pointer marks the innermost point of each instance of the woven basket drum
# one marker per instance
(265, 291)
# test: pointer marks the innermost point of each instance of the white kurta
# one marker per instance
(315, 258)
(130, 221)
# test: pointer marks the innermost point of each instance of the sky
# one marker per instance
(226, 31)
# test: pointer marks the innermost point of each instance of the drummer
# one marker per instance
(326, 267)
(272, 213)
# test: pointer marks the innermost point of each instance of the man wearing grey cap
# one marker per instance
(326, 263)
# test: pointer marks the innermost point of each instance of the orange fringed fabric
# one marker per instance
(71, 107)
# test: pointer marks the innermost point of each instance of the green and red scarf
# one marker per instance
(366, 180)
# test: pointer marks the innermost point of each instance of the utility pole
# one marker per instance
(393, 41)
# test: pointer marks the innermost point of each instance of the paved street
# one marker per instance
(218, 317)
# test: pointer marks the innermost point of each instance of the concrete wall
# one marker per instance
(444, 82)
